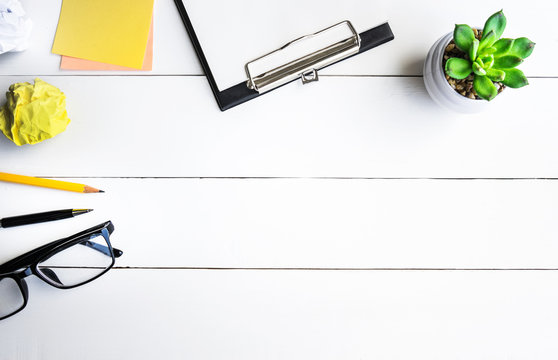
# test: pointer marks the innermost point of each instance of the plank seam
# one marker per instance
(297, 178)
(202, 75)
(321, 269)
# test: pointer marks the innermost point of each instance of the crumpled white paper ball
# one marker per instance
(15, 26)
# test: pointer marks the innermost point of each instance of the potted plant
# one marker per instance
(466, 69)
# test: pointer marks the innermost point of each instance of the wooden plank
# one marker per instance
(416, 28)
(340, 127)
(297, 223)
(178, 314)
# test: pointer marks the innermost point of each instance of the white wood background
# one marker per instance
(347, 219)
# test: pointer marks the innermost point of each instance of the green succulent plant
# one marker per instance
(491, 59)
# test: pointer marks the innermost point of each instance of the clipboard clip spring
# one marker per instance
(303, 57)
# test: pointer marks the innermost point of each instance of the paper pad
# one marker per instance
(242, 30)
(72, 63)
(108, 31)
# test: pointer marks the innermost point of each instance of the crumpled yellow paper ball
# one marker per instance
(33, 113)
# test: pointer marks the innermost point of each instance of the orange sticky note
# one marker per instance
(72, 63)
(108, 31)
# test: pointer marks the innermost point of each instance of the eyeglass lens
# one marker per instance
(11, 297)
(78, 263)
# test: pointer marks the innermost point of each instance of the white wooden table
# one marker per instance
(347, 219)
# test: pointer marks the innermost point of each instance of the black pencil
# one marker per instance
(41, 217)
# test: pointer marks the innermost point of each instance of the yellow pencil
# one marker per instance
(48, 183)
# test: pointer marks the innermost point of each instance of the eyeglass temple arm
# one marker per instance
(102, 248)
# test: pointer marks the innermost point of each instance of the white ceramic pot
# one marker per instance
(439, 88)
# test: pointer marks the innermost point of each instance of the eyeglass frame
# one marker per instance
(27, 264)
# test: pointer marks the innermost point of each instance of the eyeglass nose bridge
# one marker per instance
(24, 290)
(19, 277)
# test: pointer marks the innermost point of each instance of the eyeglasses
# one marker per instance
(64, 263)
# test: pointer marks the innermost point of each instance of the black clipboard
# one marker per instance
(303, 67)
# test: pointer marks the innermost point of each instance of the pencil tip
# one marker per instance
(89, 189)
(89, 210)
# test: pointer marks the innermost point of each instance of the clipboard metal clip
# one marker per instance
(303, 57)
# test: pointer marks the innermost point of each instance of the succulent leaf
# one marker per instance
(474, 49)
(487, 51)
(515, 78)
(463, 37)
(480, 62)
(522, 47)
(488, 61)
(458, 68)
(507, 62)
(502, 46)
(488, 40)
(495, 74)
(495, 23)
(485, 87)
(477, 69)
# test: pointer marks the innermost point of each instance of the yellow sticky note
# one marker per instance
(109, 31)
